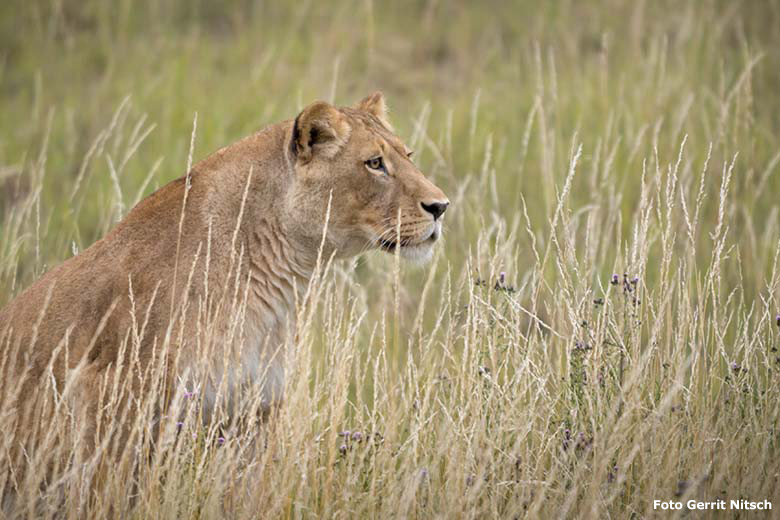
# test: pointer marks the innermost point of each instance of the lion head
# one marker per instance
(351, 170)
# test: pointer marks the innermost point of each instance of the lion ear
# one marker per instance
(374, 104)
(320, 129)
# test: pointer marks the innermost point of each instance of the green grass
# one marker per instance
(575, 140)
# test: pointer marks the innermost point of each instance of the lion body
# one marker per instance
(239, 235)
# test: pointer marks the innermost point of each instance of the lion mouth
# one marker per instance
(411, 243)
(387, 245)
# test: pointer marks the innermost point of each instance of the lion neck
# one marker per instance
(278, 273)
(279, 265)
(278, 261)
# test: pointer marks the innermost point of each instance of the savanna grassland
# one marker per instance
(598, 330)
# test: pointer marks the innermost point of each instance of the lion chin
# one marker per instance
(417, 252)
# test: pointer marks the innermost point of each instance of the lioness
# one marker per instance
(241, 232)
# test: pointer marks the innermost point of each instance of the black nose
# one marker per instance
(435, 208)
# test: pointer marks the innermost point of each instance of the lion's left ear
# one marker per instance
(321, 129)
(374, 104)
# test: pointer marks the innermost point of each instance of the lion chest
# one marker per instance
(249, 364)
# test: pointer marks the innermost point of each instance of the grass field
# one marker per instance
(599, 328)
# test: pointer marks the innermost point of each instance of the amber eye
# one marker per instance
(376, 163)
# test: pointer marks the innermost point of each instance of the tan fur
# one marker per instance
(131, 286)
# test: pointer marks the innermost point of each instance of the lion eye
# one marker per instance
(376, 163)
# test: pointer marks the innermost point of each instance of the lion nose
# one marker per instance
(435, 208)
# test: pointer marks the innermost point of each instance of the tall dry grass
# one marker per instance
(598, 330)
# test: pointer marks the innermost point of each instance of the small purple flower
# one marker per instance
(566, 438)
(615, 279)
(220, 440)
(179, 425)
(500, 284)
(345, 433)
(343, 449)
(357, 437)
(424, 474)
(189, 395)
(579, 345)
